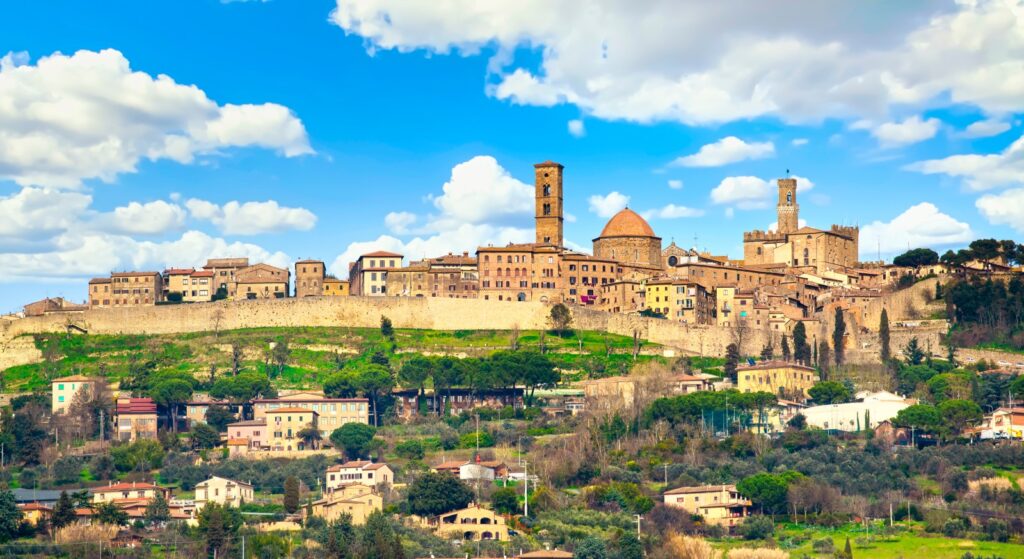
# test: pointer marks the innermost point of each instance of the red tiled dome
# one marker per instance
(627, 223)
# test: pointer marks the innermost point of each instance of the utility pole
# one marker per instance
(243, 544)
(526, 489)
(638, 517)
(666, 474)
(102, 424)
(890, 515)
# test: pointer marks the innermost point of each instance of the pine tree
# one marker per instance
(63, 511)
(838, 335)
(157, 510)
(883, 337)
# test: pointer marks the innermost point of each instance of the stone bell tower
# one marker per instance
(548, 196)
(788, 209)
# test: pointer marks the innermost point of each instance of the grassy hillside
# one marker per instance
(315, 352)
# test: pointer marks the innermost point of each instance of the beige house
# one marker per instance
(719, 505)
(362, 472)
(332, 413)
(126, 289)
(135, 418)
(223, 491)
(253, 431)
(284, 426)
(358, 501)
(100, 293)
(261, 281)
(309, 278)
(369, 273)
(224, 271)
(128, 491)
(195, 286)
(681, 300)
(65, 389)
(473, 523)
(781, 378)
(334, 287)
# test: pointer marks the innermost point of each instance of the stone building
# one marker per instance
(334, 287)
(194, 286)
(548, 202)
(52, 305)
(224, 272)
(368, 275)
(808, 248)
(628, 239)
(309, 278)
(681, 300)
(100, 293)
(261, 281)
(781, 378)
(453, 276)
(127, 289)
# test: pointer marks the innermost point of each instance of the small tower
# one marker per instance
(788, 209)
(548, 194)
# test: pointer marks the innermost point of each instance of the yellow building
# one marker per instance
(355, 500)
(473, 523)
(334, 287)
(284, 425)
(195, 286)
(332, 413)
(681, 300)
(720, 505)
(369, 273)
(34, 512)
(223, 491)
(784, 379)
(65, 389)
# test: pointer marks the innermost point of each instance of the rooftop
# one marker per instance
(627, 223)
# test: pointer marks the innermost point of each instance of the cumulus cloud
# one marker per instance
(480, 190)
(908, 131)
(921, 225)
(251, 218)
(70, 118)
(750, 193)
(980, 172)
(1005, 208)
(150, 218)
(672, 211)
(799, 62)
(399, 222)
(33, 216)
(675, 184)
(725, 151)
(609, 204)
(576, 128)
(986, 128)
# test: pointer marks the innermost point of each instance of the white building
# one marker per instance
(223, 491)
(362, 472)
(866, 413)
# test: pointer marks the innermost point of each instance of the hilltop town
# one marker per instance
(527, 396)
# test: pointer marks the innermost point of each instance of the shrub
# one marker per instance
(757, 528)
(954, 528)
(824, 545)
(411, 449)
(469, 440)
(997, 530)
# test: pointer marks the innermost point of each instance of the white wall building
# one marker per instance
(866, 413)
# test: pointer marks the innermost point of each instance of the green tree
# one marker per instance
(883, 337)
(374, 380)
(411, 449)
(732, 360)
(415, 372)
(63, 511)
(386, 329)
(785, 348)
(433, 493)
(219, 417)
(141, 455)
(768, 491)
(767, 351)
(310, 436)
(354, 439)
(913, 353)
(28, 435)
(170, 394)
(801, 349)
(280, 354)
(218, 524)
(342, 384)
(590, 548)
(825, 355)
(505, 500)
(158, 511)
(917, 257)
(838, 336)
(378, 538)
(958, 414)
(291, 494)
(242, 389)
(204, 436)
(337, 538)
(629, 546)
(922, 417)
(10, 516)
(560, 319)
(110, 513)
(830, 392)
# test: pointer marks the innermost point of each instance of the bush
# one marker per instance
(410, 450)
(824, 545)
(757, 528)
(469, 440)
(997, 530)
(954, 528)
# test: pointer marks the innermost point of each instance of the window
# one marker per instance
(547, 190)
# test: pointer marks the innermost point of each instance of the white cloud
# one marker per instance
(921, 225)
(576, 128)
(986, 128)
(609, 204)
(797, 142)
(725, 151)
(799, 62)
(1006, 208)
(980, 172)
(744, 192)
(88, 115)
(148, 219)
(399, 222)
(675, 184)
(252, 218)
(480, 190)
(32, 217)
(672, 211)
(894, 134)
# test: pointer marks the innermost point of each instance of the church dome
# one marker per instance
(627, 223)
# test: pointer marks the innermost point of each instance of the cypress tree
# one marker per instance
(785, 348)
(883, 337)
(837, 336)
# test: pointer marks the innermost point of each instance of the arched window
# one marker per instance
(547, 190)
(789, 198)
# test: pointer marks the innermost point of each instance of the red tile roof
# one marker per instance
(384, 253)
(132, 486)
(136, 405)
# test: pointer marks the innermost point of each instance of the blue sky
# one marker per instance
(146, 135)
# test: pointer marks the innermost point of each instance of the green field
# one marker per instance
(315, 352)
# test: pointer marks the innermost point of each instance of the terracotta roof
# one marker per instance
(35, 506)
(132, 486)
(123, 274)
(74, 378)
(450, 464)
(700, 489)
(316, 399)
(361, 464)
(309, 261)
(203, 274)
(627, 223)
(249, 423)
(546, 554)
(136, 405)
(179, 271)
(99, 280)
(238, 442)
(776, 364)
(291, 410)
(379, 253)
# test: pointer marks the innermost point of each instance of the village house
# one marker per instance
(126, 289)
(368, 275)
(332, 413)
(781, 378)
(356, 500)
(1003, 423)
(252, 431)
(719, 505)
(63, 390)
(51, 305)
(135, 419)
(468, 470)
(285, 425)
(223, 491)
(193, 286)
(261, 281)
(473, 523)
(34, 512)
(116, 492)
(358, 471)
(456, 400)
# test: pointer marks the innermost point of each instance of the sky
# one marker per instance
(147, 135)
